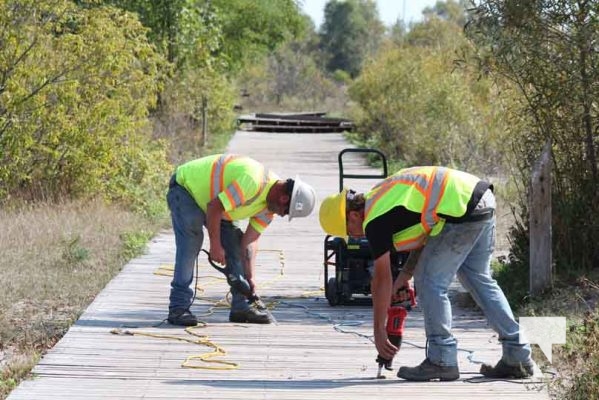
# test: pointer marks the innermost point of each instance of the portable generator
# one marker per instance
(352, 258)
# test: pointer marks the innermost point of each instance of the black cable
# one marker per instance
(195, 287)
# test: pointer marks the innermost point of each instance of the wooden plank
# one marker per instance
(314, 352)
(292, 119)
(297, 121)
(324, 128)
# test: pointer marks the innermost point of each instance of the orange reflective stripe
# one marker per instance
(217, 175)
(436, 188)
(263, 223)
(237, 194)
(427, 198)
(431, 184)
(265, 180)
(414, 180)
(410, 244)
(231, 198)
(263, 218)
(212, 175)
(260, 222)
(441, 193)
(372, 201)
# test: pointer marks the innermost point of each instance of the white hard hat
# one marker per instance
(302, 200)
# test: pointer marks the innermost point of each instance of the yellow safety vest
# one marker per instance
(240, 183)
(429, 191)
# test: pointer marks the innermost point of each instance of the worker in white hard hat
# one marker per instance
(217, 192)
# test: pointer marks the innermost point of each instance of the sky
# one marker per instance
(389, 10)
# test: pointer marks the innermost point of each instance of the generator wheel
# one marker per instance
(331, 292)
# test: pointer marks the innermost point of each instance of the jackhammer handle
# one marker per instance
(214, 265)
(238, 283)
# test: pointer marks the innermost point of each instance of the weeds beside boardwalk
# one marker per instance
(54, 260)
(575, 363)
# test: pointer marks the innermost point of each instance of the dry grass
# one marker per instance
(55, 259)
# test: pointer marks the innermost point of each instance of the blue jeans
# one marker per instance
(188, 222)
(464, 249)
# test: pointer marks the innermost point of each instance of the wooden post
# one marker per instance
(204, 140)
(541, 260)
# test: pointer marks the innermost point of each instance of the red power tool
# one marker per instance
(396, 318)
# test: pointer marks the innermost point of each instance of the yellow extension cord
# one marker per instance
(206, 358)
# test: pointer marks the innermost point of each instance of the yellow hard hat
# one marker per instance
(332, 214)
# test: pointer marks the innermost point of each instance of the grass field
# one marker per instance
(55, 259)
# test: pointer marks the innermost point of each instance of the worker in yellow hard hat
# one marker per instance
(216, 192)
(445, 218)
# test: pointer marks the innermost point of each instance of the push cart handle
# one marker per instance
(360, 176)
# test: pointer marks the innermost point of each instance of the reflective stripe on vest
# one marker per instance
(265, 180)
(263, 218)
(217, 175)
(232, 194)
(430, 182)
(431, 186)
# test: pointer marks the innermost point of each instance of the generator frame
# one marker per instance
(352, 259)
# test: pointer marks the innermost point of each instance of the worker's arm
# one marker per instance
(381, 285)
(214, 216)
(407, 271)
(249, 247)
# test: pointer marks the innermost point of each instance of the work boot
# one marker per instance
(182, 317)
(427, 371)
(251, 315)
(504, 371)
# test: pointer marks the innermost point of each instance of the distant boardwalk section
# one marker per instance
(308, 122)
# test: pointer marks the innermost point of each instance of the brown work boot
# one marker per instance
(427, 371)
(504, 371)
(251, 315)
(182, 317)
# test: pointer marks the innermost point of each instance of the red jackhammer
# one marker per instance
(396, 318)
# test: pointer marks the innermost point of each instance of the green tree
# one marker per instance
(548, 49)
(416, 105)
(252, 29)
(397, 32)
(350, 33)
(75, 88)
(229, 32)
(207, 43)
(288, 79)
(450, 10)
(186, 32)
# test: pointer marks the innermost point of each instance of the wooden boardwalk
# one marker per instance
(314, 351)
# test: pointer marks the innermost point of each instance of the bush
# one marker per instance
(417, 107)
(74, 102)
